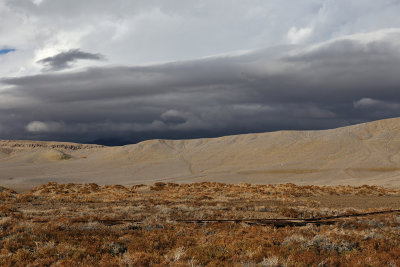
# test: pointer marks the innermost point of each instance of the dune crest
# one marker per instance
(367, 153)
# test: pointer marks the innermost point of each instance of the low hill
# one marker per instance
(367, 153)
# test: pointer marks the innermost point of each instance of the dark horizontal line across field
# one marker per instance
(279, 222)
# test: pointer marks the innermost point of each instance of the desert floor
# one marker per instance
(200, 224)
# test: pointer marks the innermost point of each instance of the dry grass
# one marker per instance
(92, 225)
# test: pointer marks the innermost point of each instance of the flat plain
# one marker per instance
(200, 224)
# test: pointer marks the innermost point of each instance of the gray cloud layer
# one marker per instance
(63, 60)
(339, 82)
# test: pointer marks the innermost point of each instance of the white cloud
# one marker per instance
(42, 127)
(37, 2)
(37, 127)
(174, 115)
(366, 102)
(298, 35)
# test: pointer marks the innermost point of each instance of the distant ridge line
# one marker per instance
(390, 123)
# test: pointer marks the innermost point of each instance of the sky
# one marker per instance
(124, 71)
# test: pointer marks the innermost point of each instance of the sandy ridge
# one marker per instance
(367, 153)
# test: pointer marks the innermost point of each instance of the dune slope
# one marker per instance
(366, 153)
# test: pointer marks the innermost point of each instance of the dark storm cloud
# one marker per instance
(336, 83)
(63, 60)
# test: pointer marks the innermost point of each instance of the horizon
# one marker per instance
(111, 143)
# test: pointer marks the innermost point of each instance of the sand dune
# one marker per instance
(367, 153)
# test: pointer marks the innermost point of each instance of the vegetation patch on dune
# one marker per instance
(55, 155)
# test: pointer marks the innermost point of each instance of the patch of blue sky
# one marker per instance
(6, 51)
